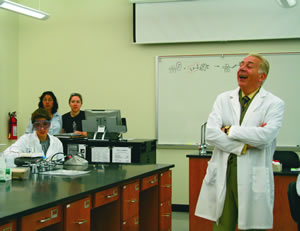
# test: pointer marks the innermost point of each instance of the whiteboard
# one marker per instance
(214, 20)
(187, 86)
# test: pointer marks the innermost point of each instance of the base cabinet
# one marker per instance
(9, 226)
(165, 220)
(131, 224)
(165, 199)
(130, 206)
(142, 204)
(282, 220)
(106, 214)
(77, 215)
(42, 219)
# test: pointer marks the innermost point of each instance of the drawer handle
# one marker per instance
(112, 195)
(81, 222)
(132, 201)
(166, 215)
(167, 186)
(152, 181)
(45, 220)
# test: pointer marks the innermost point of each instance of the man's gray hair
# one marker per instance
(264, 65)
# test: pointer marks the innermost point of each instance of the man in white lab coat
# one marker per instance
(38, 143)
(238, 188)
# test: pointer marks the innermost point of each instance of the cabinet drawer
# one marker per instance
(131, 224)
(106, 196)
(149, 182)
(165, 186)
(10, 226)
(41, 219)
(130, 200)
(165, 220)
(77, 215)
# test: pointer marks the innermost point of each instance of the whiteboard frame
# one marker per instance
(196, 146)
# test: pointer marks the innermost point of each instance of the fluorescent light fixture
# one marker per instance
(157, 1)
(287, 3)
(9, 5)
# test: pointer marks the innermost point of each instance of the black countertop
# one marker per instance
(284, 172)
(21, 197)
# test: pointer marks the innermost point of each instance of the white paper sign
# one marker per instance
(100, 154)
(82, 150)
(121, 154)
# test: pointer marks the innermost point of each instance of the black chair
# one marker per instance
(294, 202)
(288, 159)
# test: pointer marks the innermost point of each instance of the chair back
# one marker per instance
(288, 159)
(294, 202)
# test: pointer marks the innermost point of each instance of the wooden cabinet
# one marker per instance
(130, 206)
(197, 171)
(165, 200)
(131, 224)
(121, 198)
(106, 212)
(41, 219)
(10, 226)
(106, 196)
(77, 215)
(165, 213)
(149, 182)
(149, 204)
(282, 219)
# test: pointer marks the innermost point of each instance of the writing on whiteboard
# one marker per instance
(198, 66)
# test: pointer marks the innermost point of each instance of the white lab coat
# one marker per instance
(298, 185)
(254, 169)
(30, 143)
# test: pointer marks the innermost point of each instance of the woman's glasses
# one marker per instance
(41, 124)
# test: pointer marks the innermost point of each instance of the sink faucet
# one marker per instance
(202, 150)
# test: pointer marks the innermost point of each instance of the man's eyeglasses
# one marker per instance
(41, 124)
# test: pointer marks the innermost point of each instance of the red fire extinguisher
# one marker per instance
(12, 126)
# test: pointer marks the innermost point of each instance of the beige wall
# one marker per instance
(9, 91)
(89, 49)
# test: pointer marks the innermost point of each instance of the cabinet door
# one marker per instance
(41, 219)
(165, 186)
(77, 215)
(131, 224)
(106, 196)
(165, 216)
(10, 226)
(130, 200)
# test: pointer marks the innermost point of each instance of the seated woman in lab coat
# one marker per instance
(48, 101)
(39, 143)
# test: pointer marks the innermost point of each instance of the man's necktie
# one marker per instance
(245, 100)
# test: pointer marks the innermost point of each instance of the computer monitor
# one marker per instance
(108, 123)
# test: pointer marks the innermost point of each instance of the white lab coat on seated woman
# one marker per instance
(30, 143)
(254, 169)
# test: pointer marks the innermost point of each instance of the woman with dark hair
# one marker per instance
(40, 142)
(72, 121)
(48, 101)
